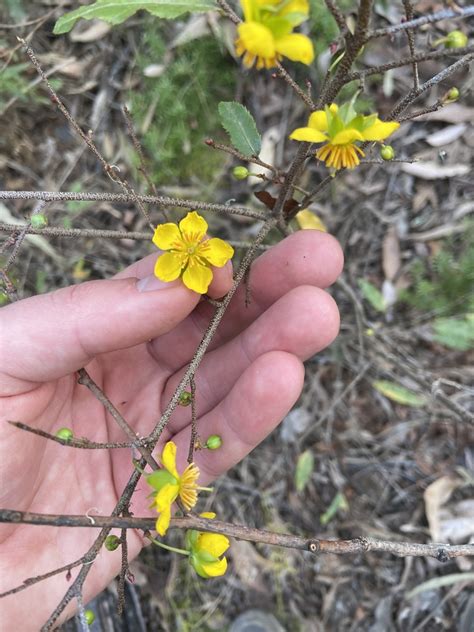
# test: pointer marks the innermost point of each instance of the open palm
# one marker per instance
(135, 345)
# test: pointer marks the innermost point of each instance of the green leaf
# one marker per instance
(455, 333)
(399, 394)
(339, 502)
(117, 11)
(241, 127)
(373, 295)
(304, 469)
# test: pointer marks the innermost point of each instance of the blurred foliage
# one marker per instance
(323, 25)
(15, 84)
(444, 285)
(185, 99)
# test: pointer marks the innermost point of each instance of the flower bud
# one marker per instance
(65, 434)
(38, 220)
(112, 542)
(387, 152)
(240, 173)
(453, 94)
(455, 39)
(214, 442)
(90, 616)
(185, 398)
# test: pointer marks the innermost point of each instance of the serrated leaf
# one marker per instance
(241, 127)
(399, 394)
(117, 11)
(339, 502)
(455, 333)
(373, 295)
(304, 469)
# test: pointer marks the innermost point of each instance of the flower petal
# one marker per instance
(166, 236)
(163, 521)
(309, 135)
(168, 266)
(346, 136)
(197, 277)
(215, 569)
(168, 458)
(318, 120)
(193, 227)
(296, 47)
(216, 251)
(256, 39)
(210, 515)
(166, 497)
(214, 543)
(380, 130)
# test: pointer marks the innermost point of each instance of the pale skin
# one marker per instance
(135, 345)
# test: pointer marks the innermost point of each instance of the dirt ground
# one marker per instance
(381, 468)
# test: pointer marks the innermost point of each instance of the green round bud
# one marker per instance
(39, 220)
(214, 442)
(185, 398)
(65, 434)
(453, 94)
(240, 173)
(112, 542)
(387, 152)
(90, 617)
(455, 39)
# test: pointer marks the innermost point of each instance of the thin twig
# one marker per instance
(424, 87)
(86, 380)
(194, 432)
(445, 14)
(411, 42)
(441, 552)
(53, 196)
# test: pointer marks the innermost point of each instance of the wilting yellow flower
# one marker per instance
(266, 35)
(169, 485)
(340, 129)
(206, 549)
(308, 220)
(190, 255)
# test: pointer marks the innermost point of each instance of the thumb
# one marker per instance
(46, 337)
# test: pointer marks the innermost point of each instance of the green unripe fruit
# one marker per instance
(38, 220)
(185, 398)
(240, 173)
(214, 442)
(90, 617)
(112, 542)
(387, 152)
(455, 39)
(453, 94)
(65, 434)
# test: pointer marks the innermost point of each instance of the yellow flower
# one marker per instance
(169, 485)
(206, 550)
(190, 255)
(266, 35)
(340, 129)
(308, 220)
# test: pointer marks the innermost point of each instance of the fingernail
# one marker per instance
(151, 283)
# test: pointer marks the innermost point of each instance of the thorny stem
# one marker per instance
(411, 42)
(441, 552)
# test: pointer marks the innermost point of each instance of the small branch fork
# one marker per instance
(441, 552)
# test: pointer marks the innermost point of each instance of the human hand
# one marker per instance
(135, 335)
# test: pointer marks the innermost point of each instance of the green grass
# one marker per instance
(185, 98)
